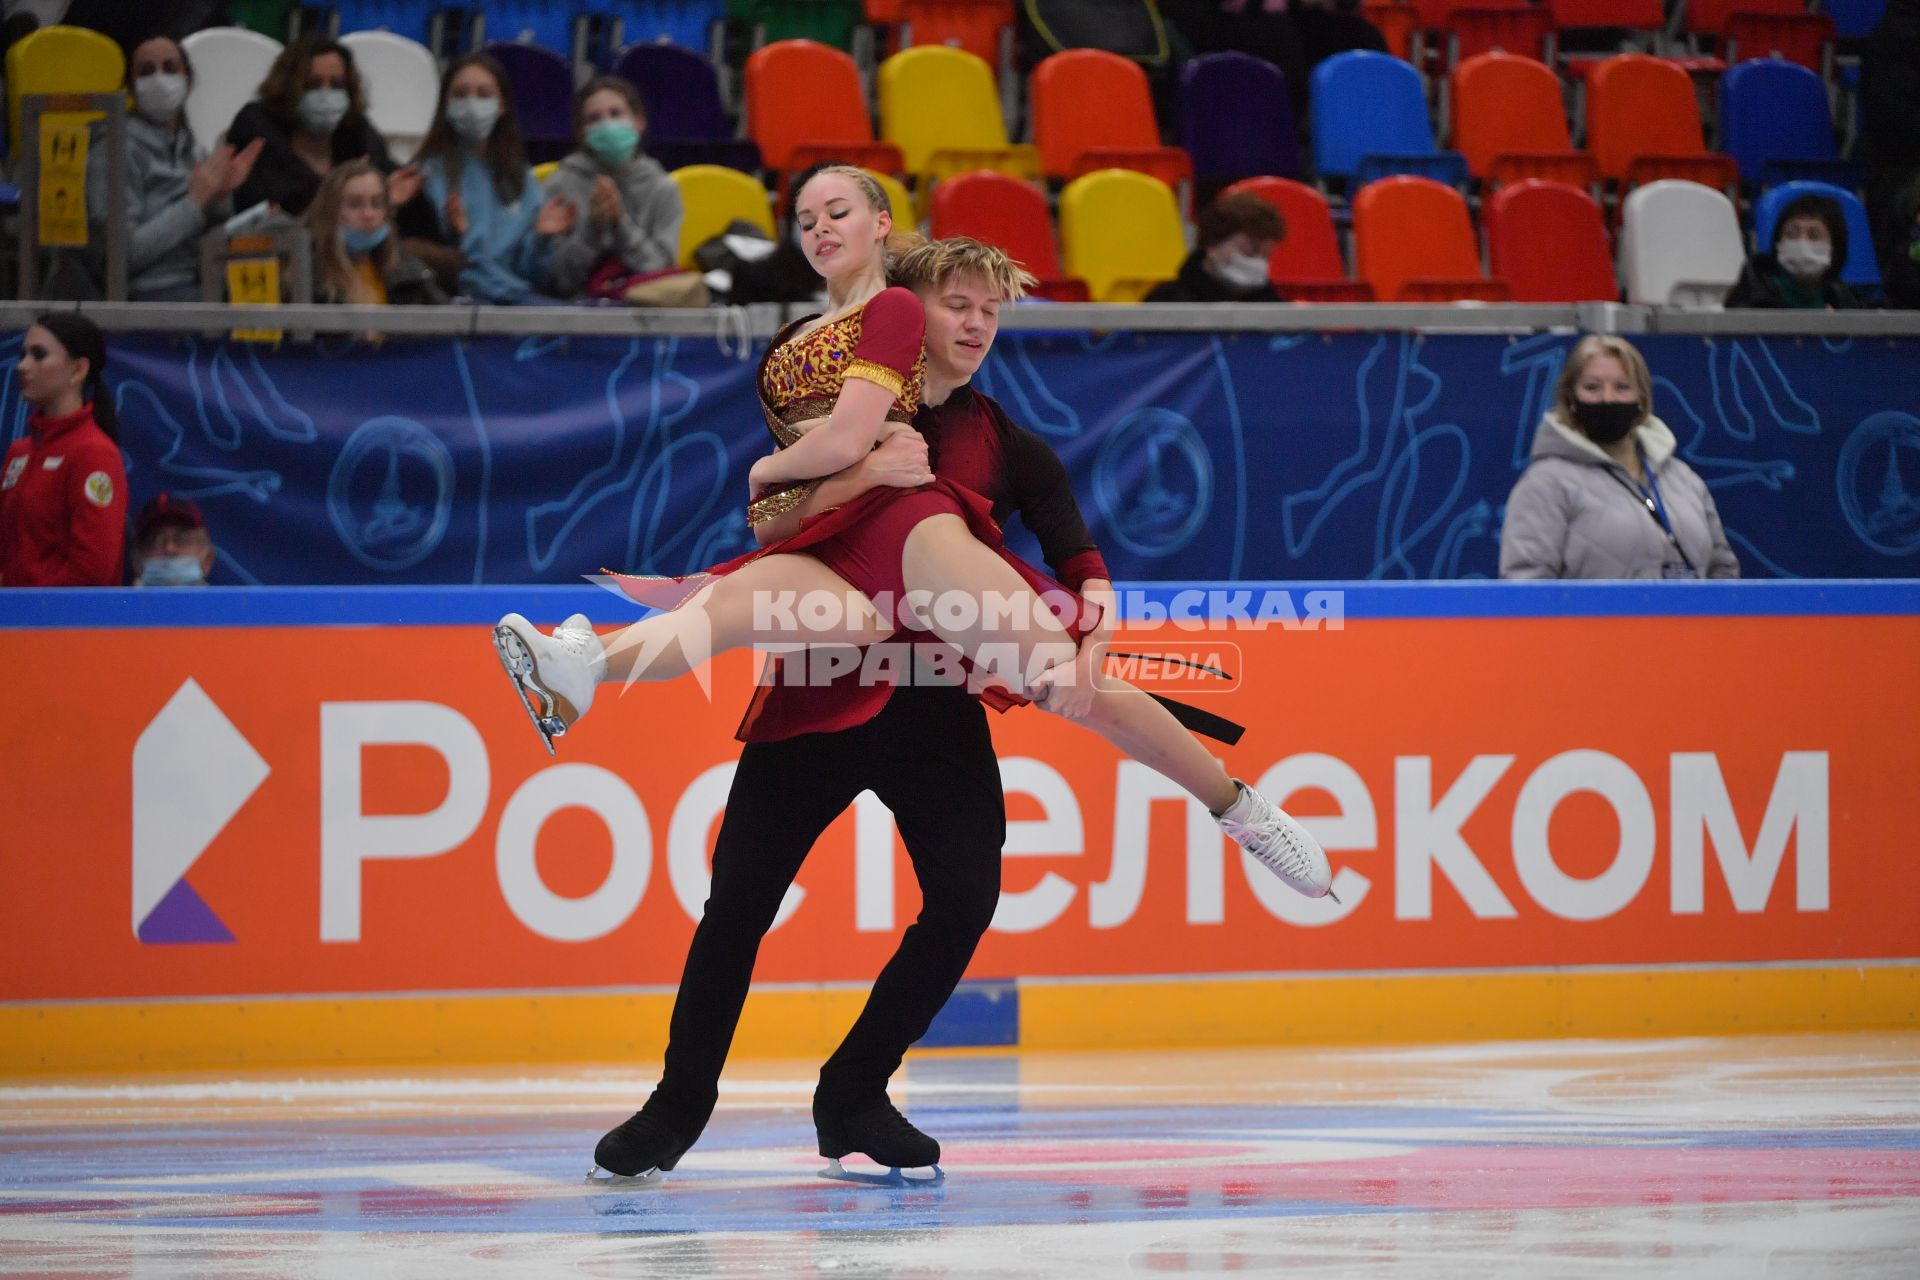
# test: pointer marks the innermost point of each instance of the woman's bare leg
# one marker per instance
(942, 556)
(757, 604)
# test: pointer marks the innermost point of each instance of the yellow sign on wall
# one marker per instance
(254, 282)
(63, 179)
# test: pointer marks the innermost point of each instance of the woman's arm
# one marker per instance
(1533, 536)
(900, 461)
(848, 435)
(649, 237)
(1721, 563)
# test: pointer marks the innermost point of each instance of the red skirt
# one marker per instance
(863, 541)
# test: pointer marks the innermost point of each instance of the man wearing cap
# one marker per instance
(171, 545)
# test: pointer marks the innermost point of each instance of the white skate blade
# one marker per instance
(598, 1177)
(881, 1176)
(518, 664)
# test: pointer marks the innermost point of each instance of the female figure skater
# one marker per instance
(63, 488)
(833, 387)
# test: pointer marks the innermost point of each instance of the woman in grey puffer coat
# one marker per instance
(627, 207)
(1605, 495)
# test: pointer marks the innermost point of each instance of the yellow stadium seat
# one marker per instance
(59, 60)
(1120, 231)
(541, 172)
(903, 213)
(712, 197)
(940, 107)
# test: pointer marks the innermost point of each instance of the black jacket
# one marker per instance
(280, 175)
(1197, 284)
(1764, 283)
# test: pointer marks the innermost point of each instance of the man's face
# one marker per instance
(174, 540)
(962, 317)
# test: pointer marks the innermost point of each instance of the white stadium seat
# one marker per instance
(228, 65)
(1680, 245)
(403, 87)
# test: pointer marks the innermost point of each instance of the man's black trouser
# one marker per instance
(928, 757)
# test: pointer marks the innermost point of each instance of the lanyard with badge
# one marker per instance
(1649, 497)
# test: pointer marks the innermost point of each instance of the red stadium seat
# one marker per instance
(1643, 125)
(1010, 214)
(804, 104)
(1548, 241)
(1413, 241)
(1305, 265)
(1092, 110)
(1509, 124)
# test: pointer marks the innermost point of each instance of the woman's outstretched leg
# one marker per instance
(760, 603)
(1000, 625)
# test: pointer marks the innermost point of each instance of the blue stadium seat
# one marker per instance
(1774, 122)
(410, 18)
(687, 23)
(540, 22)
(1369, 119)
(1860, 269)
(1853, 19)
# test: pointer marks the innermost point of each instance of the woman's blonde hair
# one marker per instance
(899, 243)
(934, 265)
(1603, 344)
(334, 272)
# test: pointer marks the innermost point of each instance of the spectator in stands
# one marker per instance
(1263, 29)
(356, 255)
(176, 191)
(628, 210)
(482, 206)
(63, 487)
(312, 111)
(171, 545)
(1237, 233)
(1803, 269)
(1605, 494)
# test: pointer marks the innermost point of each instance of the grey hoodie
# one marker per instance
(1574, 513)
(647, 237)
(163, 226)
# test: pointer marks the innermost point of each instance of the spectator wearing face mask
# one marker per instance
(171, 545)
(1237, 233)
(627, 210)
(175, 189)
(1605, 495)
(311, 111)
(482, 204)
(357, 257)
(1803, 270)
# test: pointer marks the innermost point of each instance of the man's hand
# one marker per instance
(899, 461)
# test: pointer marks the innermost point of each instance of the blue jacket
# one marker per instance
(507, 262)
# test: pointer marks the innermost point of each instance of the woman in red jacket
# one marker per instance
(63, 490)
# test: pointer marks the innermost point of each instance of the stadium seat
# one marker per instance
(831, 22)
(1804, 38)
(1645, 20)
(1855, 19)
(1861, 269)
(265, 17)
(686, 121)
(712, 198)
(535, 22)
(804, 105)
(1548, 241)
(543, 95)
(899, 199)
(1305, 265)
(1774, 122)
(60, 59)
(1679, 245)
(687, 23)
(228, 65)
(1011, 214)
(982, 27)
(410, 18)
(1236, 118)
(403, 87)
(1397, 22)
(1369, 119)
(1508, 122)
(939, 107)
(1643, 125)
(1520, 29)
(1091, 110)
(1121, 233)
(1413, 241)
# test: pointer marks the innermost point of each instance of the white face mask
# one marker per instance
(158, 96)
(473, 118)
(172, 571)
(1242, 271)
(322, 110)
(1804, 259)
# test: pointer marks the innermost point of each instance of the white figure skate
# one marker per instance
(554, 675)
(1264, 830)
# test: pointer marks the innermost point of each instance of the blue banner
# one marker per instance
(1196, 456)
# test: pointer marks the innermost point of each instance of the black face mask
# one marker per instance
(1605, 421)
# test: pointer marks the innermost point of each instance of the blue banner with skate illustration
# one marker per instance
(1195, 456)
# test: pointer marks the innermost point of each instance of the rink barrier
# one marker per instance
(1775, 685)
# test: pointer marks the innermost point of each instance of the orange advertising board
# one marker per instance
(234, 810)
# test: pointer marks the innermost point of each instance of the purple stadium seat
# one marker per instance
(543, 91)
(686, 122)
(1236, 119)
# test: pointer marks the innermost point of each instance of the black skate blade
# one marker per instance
(513, 657)
(926, 1176)
(598, 1177)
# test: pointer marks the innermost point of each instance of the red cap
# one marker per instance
(167, 509)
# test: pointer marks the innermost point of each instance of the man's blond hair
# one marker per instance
(936, 264)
